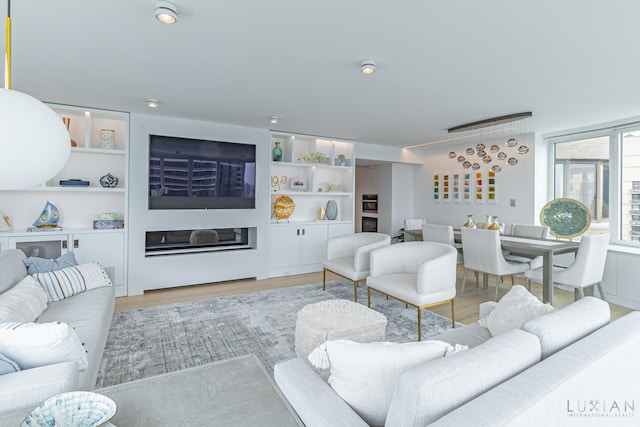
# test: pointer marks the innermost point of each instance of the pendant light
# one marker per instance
(34, 142)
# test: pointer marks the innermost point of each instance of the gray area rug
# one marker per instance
(155, 340)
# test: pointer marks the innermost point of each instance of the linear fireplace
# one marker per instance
(172, 242)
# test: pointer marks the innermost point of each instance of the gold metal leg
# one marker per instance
(368, 297)
(355, 291)
(324, 278)
(419, 324)
(453, 322)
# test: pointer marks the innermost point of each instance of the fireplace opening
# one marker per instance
(171, 242)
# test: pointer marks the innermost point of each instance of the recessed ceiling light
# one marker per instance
(273, 120)
(152, 103)
(166, 12)
(368, 66)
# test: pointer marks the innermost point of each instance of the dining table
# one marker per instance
(546, 248)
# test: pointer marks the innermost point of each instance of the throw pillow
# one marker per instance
(64, 283)
(24, 302)
(7, 365)
(513, 310)
(38, 344)
(44, 265)
(365, 374)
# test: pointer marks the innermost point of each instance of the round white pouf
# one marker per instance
(337, 319)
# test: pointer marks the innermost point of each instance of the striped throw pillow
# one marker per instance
(66, 282)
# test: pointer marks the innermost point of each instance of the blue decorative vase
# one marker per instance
(331, 211)
(108, 181)
(277, 152)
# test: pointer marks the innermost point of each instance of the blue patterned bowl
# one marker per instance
(76, 408)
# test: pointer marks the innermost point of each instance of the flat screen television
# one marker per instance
(187, 173)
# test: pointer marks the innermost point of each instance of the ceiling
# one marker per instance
(439, 63)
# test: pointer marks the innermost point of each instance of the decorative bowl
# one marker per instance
(76, 408)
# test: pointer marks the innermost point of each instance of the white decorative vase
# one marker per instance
(331, 210)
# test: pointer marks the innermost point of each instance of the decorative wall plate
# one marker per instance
(567, 218)
(283, 207)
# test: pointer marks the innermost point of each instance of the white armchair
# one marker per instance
(420, 274)
(348, 256)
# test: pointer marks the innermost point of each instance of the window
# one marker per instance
(582, 173)
(582, 165)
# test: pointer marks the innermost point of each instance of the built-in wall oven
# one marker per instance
(369, 213)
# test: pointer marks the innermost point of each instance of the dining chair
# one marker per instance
(348, 256)
(420, 274)
(482, 253)
(412, 224)
(441, 234)
(527, 230)
(585, 271)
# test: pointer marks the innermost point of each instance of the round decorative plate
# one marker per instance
(283, 207)
(567, 218)
(76, 408)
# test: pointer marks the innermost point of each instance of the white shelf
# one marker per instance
(112, 152)
(75, 189)
(311, 193)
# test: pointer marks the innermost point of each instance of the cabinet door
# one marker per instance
(285, 246)
(314, 243)
(341, 229)
(51, 246)
(104, 248)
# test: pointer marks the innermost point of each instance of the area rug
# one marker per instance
(160, 339)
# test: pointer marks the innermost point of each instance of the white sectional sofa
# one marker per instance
(89, 313)
(541, 374)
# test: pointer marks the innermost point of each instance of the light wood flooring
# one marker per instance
(466, 307)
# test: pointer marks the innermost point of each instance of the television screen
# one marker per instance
(189, 173)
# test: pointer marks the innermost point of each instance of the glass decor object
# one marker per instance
(461, 159)
(512, 142)
(494, 148)
(502, 155)
(496, 168)
(512, 161)
(475, 166)
(480, 147)
(466, 164)
(566, 218)
(486, 159)
(277, 152)
(452, 154)
(470, 151)
(469, 223)
(523, 149)
(485, 225)
(495, 225)
(331, 211)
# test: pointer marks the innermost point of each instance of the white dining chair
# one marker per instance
(483, 254)
(441, 234)
(412, 224)
(585, 271)
(527, 230)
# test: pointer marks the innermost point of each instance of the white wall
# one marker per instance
(517, 182)
(177, 270)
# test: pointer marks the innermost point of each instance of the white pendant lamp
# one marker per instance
(34, 142)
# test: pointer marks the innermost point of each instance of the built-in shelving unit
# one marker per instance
(79, 205)
(311, 171)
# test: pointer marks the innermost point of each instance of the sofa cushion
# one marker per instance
(12, 268)
(562, 327)
(430, 390)
(38, 344)
(513, 310)
(7, 365)
(24, 302)
(44, 265)
(69, 281)
(365, 374)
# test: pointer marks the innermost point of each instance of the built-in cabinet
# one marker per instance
(79, 206)
(311, 171)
